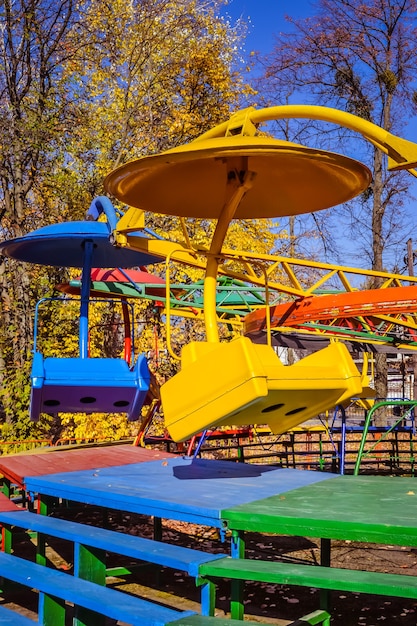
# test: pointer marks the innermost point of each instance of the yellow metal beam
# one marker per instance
(402, 154)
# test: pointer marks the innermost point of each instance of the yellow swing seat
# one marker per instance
(245, 383)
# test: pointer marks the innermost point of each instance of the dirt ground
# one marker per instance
(263, 602)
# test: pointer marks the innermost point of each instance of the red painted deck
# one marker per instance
(16, 466)
(8, 505)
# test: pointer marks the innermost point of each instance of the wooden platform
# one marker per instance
(237, 497)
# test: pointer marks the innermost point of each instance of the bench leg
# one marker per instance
(7, 546)
(41, 549)
(157, 528)
(89, 564)
(45, 504)
(237, 607)
(7, 538)
(325, 550)
(6, 487)
(208, 597)
(51, 610)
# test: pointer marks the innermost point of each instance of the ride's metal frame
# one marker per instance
(401, 154)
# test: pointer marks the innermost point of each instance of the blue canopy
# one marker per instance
(63, 245)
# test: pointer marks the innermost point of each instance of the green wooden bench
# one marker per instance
(312, 619)
(326, 578)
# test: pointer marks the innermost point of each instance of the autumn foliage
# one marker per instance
(84, 87)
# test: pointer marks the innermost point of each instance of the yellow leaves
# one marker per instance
(152, 75)
(251, 235)
(97, 426)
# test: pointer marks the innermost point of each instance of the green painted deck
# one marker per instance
(379, 509)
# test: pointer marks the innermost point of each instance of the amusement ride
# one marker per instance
(231, 172)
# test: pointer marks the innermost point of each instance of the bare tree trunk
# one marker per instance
(381, 365)
(410, 264)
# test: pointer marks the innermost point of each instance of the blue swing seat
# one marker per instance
(88, 385)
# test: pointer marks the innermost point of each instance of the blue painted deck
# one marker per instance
(180, 488)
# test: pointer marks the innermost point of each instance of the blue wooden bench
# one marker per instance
(12, 618)
(91, 544)
(58, 590)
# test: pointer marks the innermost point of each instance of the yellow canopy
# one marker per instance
(193, 180)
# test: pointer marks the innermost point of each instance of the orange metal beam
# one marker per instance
(368, 303)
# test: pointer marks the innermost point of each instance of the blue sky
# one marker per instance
(265, 18)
